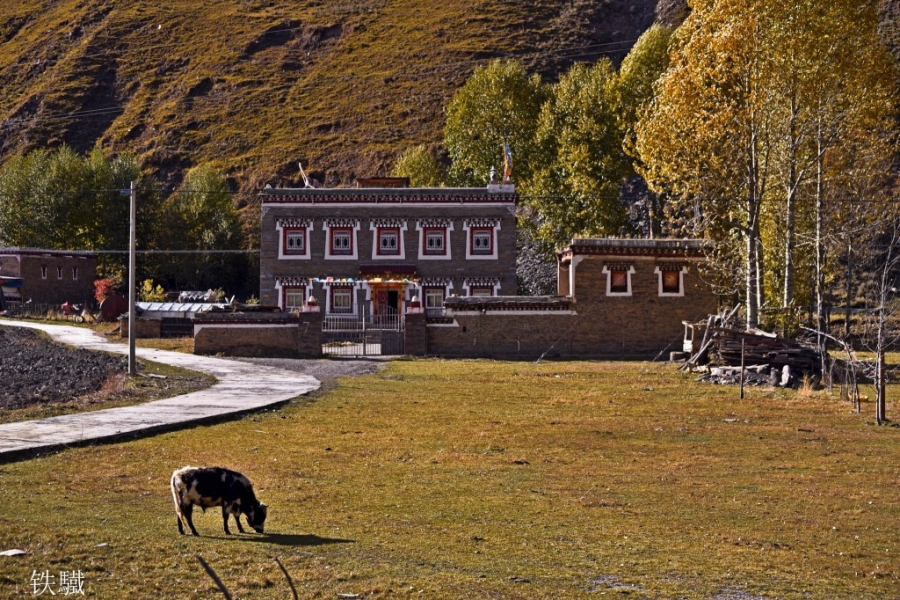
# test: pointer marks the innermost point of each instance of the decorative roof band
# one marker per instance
(470, 281)
(618, 266)
(435, 281)
(482, 222)
(342, 223)
(389, 223)
(291, 281)
(285, 222)
(423, 223)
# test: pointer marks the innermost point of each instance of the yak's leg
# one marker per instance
(225, 515)
(187, 511)
(237, 519)
(180, 526)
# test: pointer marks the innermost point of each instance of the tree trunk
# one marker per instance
(790, 208)
(821, 341)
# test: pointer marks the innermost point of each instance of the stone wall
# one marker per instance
(143, 328)
(256, 335)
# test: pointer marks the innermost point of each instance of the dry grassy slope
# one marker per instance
(253, 86)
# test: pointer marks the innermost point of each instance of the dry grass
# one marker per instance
(452, 479)
(344, 86)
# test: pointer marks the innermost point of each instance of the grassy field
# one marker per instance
(481, 479)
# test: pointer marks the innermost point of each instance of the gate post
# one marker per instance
(309, 333)
(415, 334)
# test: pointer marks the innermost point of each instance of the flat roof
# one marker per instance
(388, 195)
(45, 252)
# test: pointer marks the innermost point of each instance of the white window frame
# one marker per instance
(285, 227)
(434, 290)
(680, 293)
(43, 271)
(377, 226)
(426, 225)
(330, 227)
(470, 226)
(332, 294)
(293, 290)
(385, 234)
(59, 272)
(628, 273)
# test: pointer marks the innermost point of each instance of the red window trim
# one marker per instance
(480, 252)
(284, 237)
(341, 252)
(379, 231)
(425, 232)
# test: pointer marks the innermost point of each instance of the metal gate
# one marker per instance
(363, 334)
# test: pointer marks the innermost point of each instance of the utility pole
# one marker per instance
(132, 281)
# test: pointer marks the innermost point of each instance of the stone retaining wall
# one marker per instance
(283, 335)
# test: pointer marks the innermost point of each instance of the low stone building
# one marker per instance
(49, 276)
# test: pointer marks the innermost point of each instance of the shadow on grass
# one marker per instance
(290, 539)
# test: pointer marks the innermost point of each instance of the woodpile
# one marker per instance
(754, 356)
(762, 348)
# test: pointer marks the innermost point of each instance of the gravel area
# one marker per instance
(326, 370)
(34, 370)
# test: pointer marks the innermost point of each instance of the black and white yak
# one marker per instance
(216, 486)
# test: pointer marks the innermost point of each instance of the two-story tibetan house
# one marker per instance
(369, 250)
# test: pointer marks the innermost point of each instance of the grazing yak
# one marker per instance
(216, 486)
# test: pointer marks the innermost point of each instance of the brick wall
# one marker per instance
(642, 324)
(276, 335)
(56, 289)
(456, 269)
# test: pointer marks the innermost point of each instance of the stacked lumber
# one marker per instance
(762, 348)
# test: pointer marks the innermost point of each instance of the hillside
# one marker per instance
(253, 86)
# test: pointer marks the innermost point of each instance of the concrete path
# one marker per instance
(241, 388)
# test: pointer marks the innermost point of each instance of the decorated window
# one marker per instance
(671, 279)
(294, 236)
(387, 238)
(481, 286)
(481, 238)
(434, 298)
(482, 241)
(434, 238)
(342, 299)
(342, 241)
(294, 297)
(618, 278)
(295, 241)
(388, 241)
(618, 281)
(435, 241)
